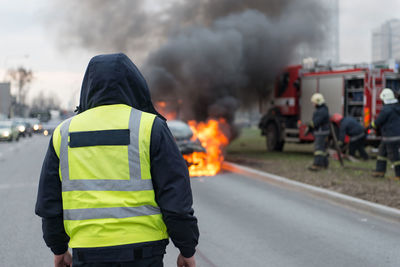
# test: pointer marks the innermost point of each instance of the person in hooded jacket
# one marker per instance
(351, 127)
(388, 122)
(320, 128)
(114, 186)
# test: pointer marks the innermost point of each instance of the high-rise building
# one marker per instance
(5, 99)
(386, 41)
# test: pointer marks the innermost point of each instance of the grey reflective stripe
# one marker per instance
(107, 185)
(133, 148)
(320, 153)
(64, 131)
(135, 183)
(321, 132)
(391, 138)
(105, 213)
(357, 137)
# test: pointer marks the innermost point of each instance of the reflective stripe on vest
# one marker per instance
(101, 213)
(107, 191)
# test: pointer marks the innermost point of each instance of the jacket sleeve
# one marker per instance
(381, 119)
(49, 203)
(172, 189)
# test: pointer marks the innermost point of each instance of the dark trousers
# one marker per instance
(358, 145)
(320, 154)
(155, 261)
(388, 150)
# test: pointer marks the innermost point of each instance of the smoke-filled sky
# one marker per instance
(213, 55)
(40, 35)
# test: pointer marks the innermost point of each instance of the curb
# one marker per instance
(359, 204)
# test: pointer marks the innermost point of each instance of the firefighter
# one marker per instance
(320, 128)
(114, 186)
(388, 122)
(351, 127)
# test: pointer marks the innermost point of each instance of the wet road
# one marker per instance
(243, 222)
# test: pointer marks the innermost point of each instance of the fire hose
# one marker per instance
(336, 145)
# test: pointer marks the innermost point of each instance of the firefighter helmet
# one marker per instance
(337, 118)
(317, 99)
(387, 96)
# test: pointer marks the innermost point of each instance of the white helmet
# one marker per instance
(387, 96)
(317, 99)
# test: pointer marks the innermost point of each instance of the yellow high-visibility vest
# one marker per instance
(107, 191)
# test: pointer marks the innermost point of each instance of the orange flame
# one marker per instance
(165, 110)
(162, 104)
(213, 136)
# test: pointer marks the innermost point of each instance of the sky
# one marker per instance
(26, 40)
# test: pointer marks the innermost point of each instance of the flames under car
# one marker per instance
(184, 138)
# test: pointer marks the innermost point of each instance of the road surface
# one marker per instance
(243, 222)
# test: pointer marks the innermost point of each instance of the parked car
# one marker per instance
(183, 137)
(21, 126)
(36, 125)
(50, 126)
(28, 127)
(8, 131)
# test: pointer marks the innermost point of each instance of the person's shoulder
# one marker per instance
(160, 128)
(386, 108)
(159, 123)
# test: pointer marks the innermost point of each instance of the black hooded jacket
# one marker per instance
(388, 120)
(114, 79)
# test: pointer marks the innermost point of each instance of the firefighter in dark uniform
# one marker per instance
(388, 121)
(351, 127)
(320, 128)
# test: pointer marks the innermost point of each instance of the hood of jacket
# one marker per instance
(114, 79)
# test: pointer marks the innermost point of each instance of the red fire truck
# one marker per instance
(350, 91)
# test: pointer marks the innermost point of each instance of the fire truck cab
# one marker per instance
(350, 91)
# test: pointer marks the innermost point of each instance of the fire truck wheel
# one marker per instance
(272, 136)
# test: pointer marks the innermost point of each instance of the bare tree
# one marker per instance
(46, 101)
(22, 77)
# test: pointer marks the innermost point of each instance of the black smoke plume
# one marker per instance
(206, 56)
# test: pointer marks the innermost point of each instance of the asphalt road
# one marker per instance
(243, 222)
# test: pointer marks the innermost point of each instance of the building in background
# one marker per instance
(5, 99)
(386, 42)
(327, 51)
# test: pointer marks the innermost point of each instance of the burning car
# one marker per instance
(201, 144)
(183, 135)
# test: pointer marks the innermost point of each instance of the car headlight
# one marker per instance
(46, 133)
(36, 127)
(6, 134)
(21, 128)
